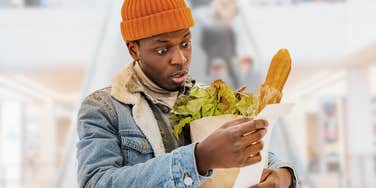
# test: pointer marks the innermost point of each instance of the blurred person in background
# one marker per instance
(13, 3)
(125, 135)
(198, 3)
(32, 2)
(330, 122)
(218, 71)
(218, 38)
(247, 73)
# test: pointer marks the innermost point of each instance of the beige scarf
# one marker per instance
(152, 90)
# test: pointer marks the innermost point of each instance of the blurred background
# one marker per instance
(55, 52)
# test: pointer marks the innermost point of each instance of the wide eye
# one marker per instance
(186, 44)
(161, 51)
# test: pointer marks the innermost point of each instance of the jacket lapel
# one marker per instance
(144, 117)
(122, 91)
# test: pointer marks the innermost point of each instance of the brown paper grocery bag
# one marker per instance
(200, 129)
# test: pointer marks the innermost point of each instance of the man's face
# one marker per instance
(164, 58)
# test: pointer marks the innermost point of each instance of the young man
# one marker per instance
(125, 137)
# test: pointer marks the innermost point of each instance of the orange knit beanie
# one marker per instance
(145, 18)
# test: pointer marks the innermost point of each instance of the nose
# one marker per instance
(178, 58)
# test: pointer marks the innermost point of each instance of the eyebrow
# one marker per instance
(187, 34)
(166, 41)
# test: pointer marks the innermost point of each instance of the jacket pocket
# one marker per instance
(135, 147)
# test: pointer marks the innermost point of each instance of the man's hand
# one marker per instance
(236, 144)
(275, 178)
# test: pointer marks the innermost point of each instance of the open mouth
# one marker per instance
(179, 77)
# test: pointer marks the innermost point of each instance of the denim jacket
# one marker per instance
(120, 143)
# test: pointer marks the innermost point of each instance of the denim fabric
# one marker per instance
(113, 152)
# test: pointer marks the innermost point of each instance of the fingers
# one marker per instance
(248, 127)
(251, 154)
(261, 123)
(254, 149)
(252, 160)
(237, 121)
(253, 137)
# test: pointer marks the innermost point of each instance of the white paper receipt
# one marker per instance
(251, 175)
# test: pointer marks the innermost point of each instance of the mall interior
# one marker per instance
(53, 53)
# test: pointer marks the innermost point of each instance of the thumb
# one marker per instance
(263, 185)
(265, 174)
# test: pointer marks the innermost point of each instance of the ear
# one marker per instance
(133, 49)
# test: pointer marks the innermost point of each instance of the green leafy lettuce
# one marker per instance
(218, 99)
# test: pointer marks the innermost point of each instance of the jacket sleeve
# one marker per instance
(274, 162)
(100, 161)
